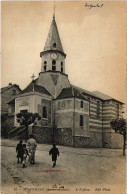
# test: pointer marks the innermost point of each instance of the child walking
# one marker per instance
(19, 150)
(54, 152)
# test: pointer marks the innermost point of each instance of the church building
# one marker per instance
(70, 115)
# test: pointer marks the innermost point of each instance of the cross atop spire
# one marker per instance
(33, 76)
(54, 10)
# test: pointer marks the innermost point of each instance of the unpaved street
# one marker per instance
(77, 168)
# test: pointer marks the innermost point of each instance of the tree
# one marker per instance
(119, 125)
(3, 118)
(25, 119)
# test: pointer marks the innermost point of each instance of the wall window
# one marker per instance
(14, 92)
(81, 121)
(62, 67)
(58, 105)
(81, 104)
(53, 65)
(54, 45)
(44, 67)
(98, 109)
(24, 111)
(44, 112)
(89, 104)
(117, 111)
(63, 104)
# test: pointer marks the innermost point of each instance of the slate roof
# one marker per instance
(70, 92)
(9, 86)
(35, 88)
(53, 37)
(102, 96)
(83, 91)
(75, 91)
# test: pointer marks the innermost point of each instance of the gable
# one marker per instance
(10, 89)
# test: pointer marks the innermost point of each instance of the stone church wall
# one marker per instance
(81, 130)
(63, 136)
(95, 140)
(43, 134)
(64, 119)
(112, 139)
(116, 140)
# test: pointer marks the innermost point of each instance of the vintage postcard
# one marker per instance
(63, 94)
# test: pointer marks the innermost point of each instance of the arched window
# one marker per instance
(81, 104)
(53, 65)
(62, 67)
(54, 45)
(81, 121)
(45, 62)
(44, 67)
(44, 112)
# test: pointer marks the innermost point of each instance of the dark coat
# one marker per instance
(54, 152)
(19, 150)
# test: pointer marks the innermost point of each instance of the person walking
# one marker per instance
(54, 152)
(32, 144)
(19, 150)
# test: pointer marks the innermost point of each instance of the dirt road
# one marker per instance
(77, 169)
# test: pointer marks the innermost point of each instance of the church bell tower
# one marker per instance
(53, 56)
(52, 75)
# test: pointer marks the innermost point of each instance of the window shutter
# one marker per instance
(40, 109)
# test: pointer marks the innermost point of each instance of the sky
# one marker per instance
(93, 39)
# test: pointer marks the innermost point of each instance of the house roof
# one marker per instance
(35, 88)
(70, 92)
(31, 88)
(10, 86)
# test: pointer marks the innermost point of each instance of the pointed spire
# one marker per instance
(53, 40)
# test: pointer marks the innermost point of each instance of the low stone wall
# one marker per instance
(82, 142)
(43, 134)
(116, 140)
(107, 139)
(63, 136)
(95, 140)
(112, 140)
